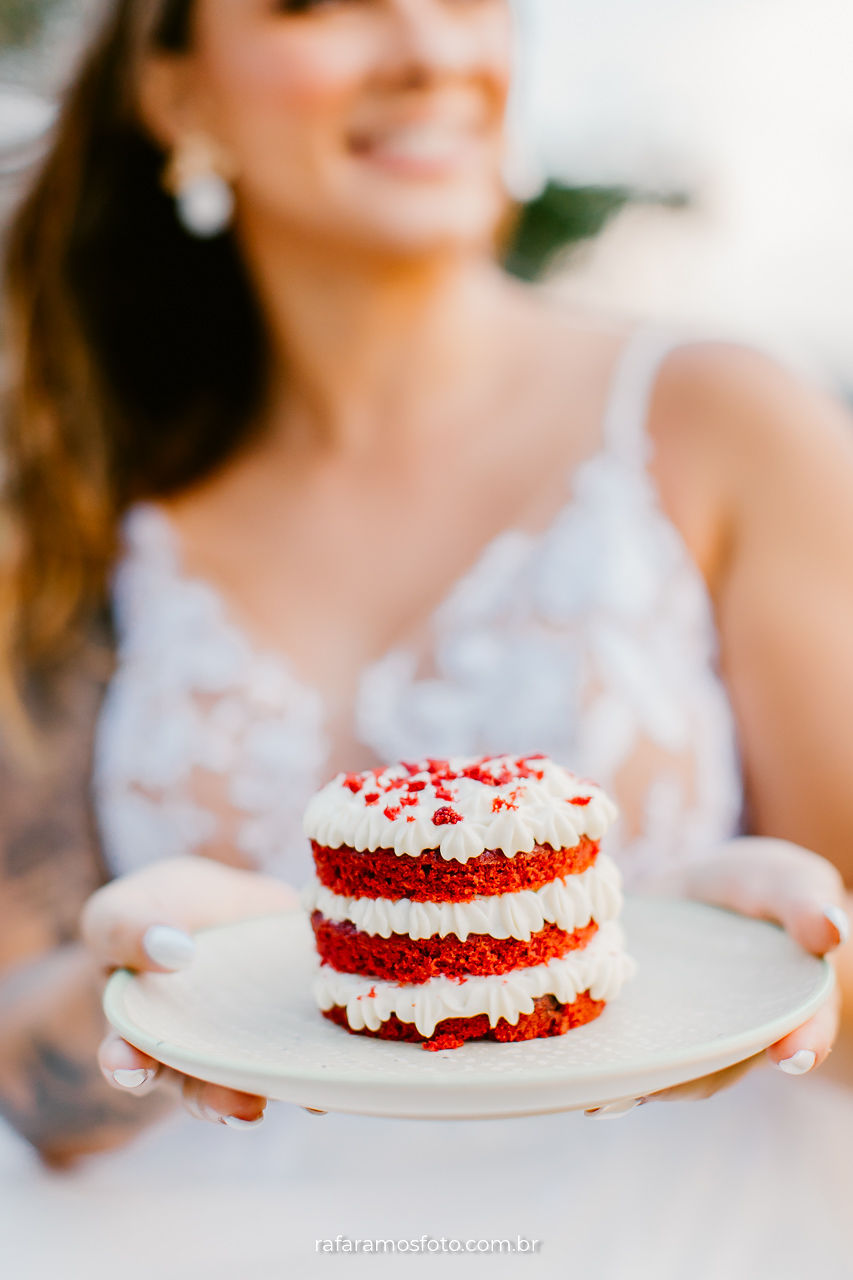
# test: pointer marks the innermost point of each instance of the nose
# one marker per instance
(426, 38)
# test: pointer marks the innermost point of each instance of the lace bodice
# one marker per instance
(593, 641)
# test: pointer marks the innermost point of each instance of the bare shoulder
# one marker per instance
(738, 436)
(718, 394)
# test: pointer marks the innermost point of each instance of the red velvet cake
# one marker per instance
(464, 899)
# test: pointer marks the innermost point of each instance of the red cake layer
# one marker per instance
(403, 959)
(431, 878)
(549, 1018)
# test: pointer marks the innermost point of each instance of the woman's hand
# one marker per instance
(771, 880)
(143, 921)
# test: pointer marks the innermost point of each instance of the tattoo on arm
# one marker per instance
(51, 1088)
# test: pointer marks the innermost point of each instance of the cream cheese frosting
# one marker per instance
(602, 968)
(461, 806)
(571, 903)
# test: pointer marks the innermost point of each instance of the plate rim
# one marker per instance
(743, 1043)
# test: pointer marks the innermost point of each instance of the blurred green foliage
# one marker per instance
(559, 217)
(563, 216)
(21, 20)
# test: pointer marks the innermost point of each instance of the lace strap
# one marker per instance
(626, 414)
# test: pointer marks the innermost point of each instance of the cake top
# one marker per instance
(461, 807)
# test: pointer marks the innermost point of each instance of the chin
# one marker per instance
(467, 223)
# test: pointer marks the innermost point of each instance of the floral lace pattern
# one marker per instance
(593, 642)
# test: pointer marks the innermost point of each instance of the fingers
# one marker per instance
(132, 1071)
(691, 1091)
(776, 880)
(811, 1044)
(218, 1105)
(819, 926)
(797, 1053)
(707, 1086)
(143, 921)
(125, 1067)
(615, 1110)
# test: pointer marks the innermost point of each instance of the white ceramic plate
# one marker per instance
(712, 989)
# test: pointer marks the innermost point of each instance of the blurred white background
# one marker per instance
(744, 105)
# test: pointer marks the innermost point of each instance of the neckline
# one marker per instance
(529, 540)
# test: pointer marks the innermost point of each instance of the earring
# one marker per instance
(198, 177)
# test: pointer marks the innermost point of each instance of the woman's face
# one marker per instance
(370, 122)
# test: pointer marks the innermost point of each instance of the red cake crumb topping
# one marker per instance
(488, 770)
(580, 800)
(392, 813)
(549, 1017)
(443, 816)
(405, 960)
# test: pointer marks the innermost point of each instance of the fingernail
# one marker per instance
(131, 1079)
(841, 920)
(170, 948)
(614, 1110)
(312, 1111)
(802, 1061)
(203, 1111)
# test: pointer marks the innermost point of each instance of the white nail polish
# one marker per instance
(841, 920)
(131, 1079)
(615, 1110)
(801, 1062)
(204, 1112)
(170, 948)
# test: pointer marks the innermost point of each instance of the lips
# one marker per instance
(427, 147)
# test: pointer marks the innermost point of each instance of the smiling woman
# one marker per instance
(304, 107)
(328, 487)
(303, 104)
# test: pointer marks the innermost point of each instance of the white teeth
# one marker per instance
(422, 142)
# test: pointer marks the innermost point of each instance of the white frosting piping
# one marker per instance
(601, 968)
(570, 902)
(512, 817)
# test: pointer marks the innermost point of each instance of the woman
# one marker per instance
(349, 493)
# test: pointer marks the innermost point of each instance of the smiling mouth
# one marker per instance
(425, 150)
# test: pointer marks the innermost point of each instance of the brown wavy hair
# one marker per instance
(135, 356)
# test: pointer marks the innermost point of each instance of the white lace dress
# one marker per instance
(594, 642)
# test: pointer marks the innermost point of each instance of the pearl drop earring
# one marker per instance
(198, 177)
(205, 206)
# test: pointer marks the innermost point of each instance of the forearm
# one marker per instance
(51, 1088)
